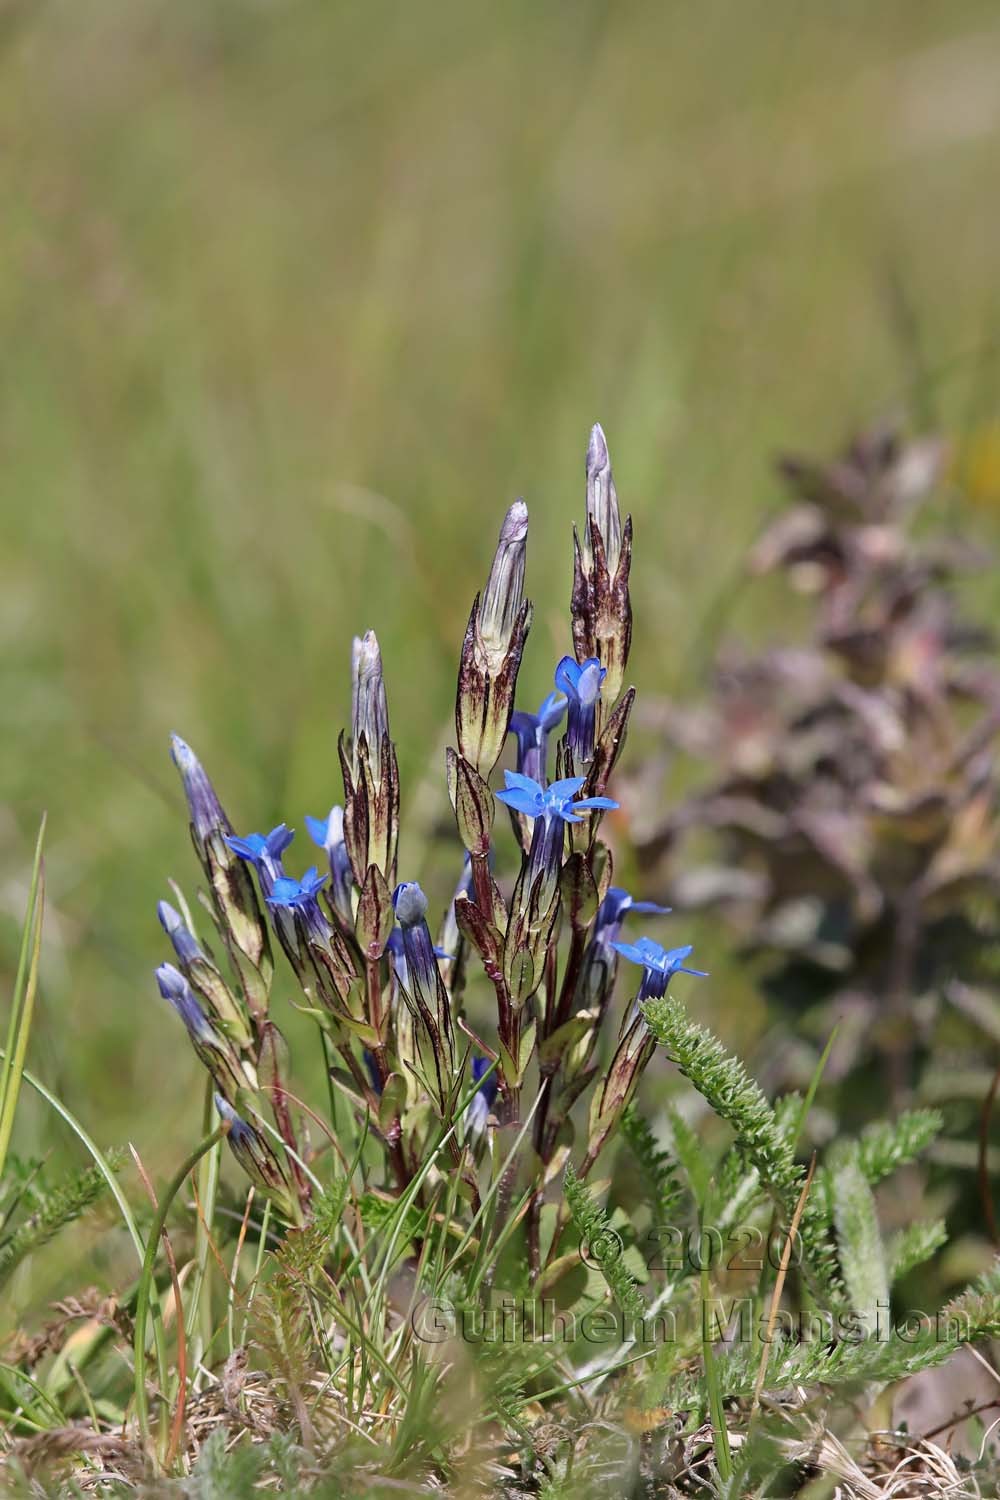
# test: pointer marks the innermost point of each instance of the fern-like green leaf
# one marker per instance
(890, 1144)
(912, 1246)
(593, 1227)
(658, 1168)
(53, 1210)
(733, 1094)
(862, 1255)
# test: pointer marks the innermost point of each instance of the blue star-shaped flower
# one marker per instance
(525, 795)
(297, 894)
(660, 965)
(263, 850)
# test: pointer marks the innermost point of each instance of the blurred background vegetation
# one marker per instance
(296, 296)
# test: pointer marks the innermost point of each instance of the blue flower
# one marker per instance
(660, 964)
(528, 796)
(581, 682)
(297, 895)
(186, 945)
(617, 903)
(599, 962)
(478, 1110)
(175, 988)
(291, 898)
(532, 732)
(264, 852)
(551, 808)
(419, 966)
(328, 833)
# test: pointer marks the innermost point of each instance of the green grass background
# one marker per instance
(296, 296)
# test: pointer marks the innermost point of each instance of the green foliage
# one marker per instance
(737, 1099)
(594, 1229)
(912, 1246)
(43, 1211)
(226, 1472)
(862, 1255)
(887, 1144)
(658, 1168)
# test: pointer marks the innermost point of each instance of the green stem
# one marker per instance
(720, 1433)
(146, 1289)
(200, 1310)
(23, 1002)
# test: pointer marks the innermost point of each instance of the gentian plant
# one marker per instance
(390, 1002)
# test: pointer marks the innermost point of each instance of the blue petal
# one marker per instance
(567, 676)
(278, 840)
(520, 800)
(551, 711)
(633, 952)
(285, 892)
(317, 829)
(252, 847)
(566, 788)
(524, 783)
(590, 802)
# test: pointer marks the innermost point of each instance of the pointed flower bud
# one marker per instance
(370, 770)
(214, 1049)
(491, 653)
(233, 893)
(207, 815)
(369, 709)
(203, 976)
(602, 497)
(504, 591)
(425, 994)
(582, 685)
(600, 605)
(258, 1159)
(185, 944)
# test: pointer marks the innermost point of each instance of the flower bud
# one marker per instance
(369, 709)
(233, 893)
(204, 977)
(258, 1159)
(491, 652)
(599, 604)
(370, 769)
(635, 1049)
(214, 1049)
(425, 995)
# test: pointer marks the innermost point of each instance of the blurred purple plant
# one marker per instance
(849, 795)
